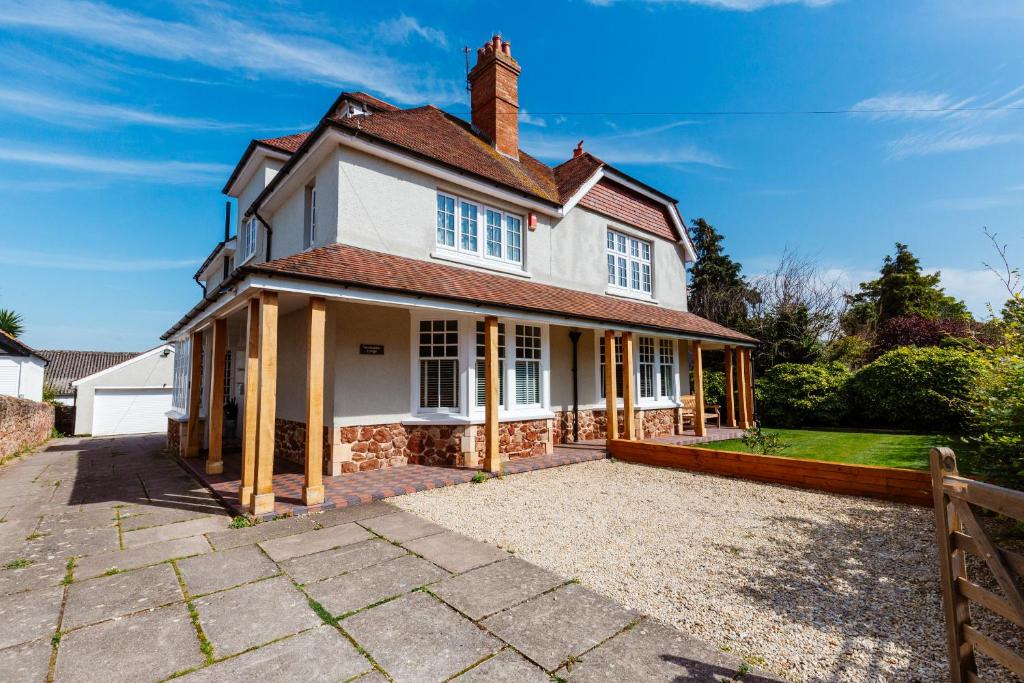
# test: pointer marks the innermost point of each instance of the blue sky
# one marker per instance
(119, 124)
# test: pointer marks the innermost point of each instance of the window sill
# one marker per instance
(657, 404)
(628, 294)
(476, 262)
(478, 419)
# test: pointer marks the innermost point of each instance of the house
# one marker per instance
(21, 369)
(409, 287)
(112, 392)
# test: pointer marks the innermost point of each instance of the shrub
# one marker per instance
(915, 330)
(917, 388)
(765, 443)
(850, 351)
(794, 395)
(714, 388)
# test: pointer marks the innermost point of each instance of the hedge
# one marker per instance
(797, 395)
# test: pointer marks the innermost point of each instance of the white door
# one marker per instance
(130, 411)
(10, 373)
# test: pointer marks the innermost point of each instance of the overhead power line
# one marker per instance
(763, 112)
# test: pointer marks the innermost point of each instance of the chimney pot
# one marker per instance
(507, 48)
(578, 152)
(496, 42)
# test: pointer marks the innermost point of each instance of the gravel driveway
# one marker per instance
(808, 585)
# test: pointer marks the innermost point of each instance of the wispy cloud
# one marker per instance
(531, 120)
(936, 123)
(51, 260)
(1011, 197)
(643, 146)
(403, 27)
(63, 110)
(216, 38)
(177, 172)
(740, 5)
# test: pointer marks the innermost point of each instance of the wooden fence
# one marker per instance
(885, 483)
(958, 532)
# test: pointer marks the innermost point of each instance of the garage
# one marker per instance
(130, 410)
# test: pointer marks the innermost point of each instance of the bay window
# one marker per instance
(666, 368)
(645, 366)
(629, 263)
(654, 372)
(528, 357)
(481, 371)
(483, 232)
(618, 365)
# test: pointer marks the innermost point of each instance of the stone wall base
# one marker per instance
(594, 424)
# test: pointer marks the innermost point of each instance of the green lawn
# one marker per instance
(855, 448)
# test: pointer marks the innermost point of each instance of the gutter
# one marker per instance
(270, 232)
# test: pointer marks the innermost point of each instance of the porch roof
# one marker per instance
(355, 267)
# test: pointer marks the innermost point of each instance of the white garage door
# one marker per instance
(130, 411)
(9, 372)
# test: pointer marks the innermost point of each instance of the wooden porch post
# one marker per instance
(749, 388)
(263, 496)
(492, 443)
(628, 416)
(195, 393)
(215, 413)
(730, 390)
(611, 390)
(741, 367)
(250, 424)
(698, 390)
(313, 490)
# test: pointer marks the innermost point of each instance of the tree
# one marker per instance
(718, 291)
(796, 313)
(11, 322)
(902, 290)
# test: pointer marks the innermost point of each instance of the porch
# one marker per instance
(338, 401)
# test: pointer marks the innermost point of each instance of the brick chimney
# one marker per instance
(495, 88)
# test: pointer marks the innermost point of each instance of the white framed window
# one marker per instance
(309, 234)
(528, 357)
(182, 375)
(618, 365)
(645, 366)
(483, 232)
(667, 368)
(629, 263)
(481, 371)
(439, 364)
(250, 232)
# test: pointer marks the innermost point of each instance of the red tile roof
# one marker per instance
(286, 143)
(572, 174)
(347, 265)
(617, 201)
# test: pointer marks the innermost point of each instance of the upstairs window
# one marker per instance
(249, 244)
(483, 232)
(481, 370)
(439, 364)
(309, 236)
(629, 263)
(528, 357)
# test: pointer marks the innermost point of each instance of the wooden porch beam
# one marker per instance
(250, 424)
(215, 412)
(730, 389)
(313, 488)
(492, 454)
(611, 390)
(628, 415)
(698, 390)
(741, 367)
(263, 496)
(749, 388)
(195, 394)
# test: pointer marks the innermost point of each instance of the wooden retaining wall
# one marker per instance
(884, 483)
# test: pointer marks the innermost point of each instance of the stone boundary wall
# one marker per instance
(23, 424)
(885, 483)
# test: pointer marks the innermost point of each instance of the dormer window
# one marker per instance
(629, 263)
(483, 232)
(309, 233)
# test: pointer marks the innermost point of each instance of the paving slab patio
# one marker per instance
(254, 614)
(308, 542)
(350, 592)
(455, 552)
(351, 558)
(212, 572)
(564, 623)
(417, 638)
(496, 587)
(106, 597)
(144, 647)
(493, 619)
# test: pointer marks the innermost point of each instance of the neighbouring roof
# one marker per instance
(346, 265)
(68, 366)
(286, 143)
(16, 347)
